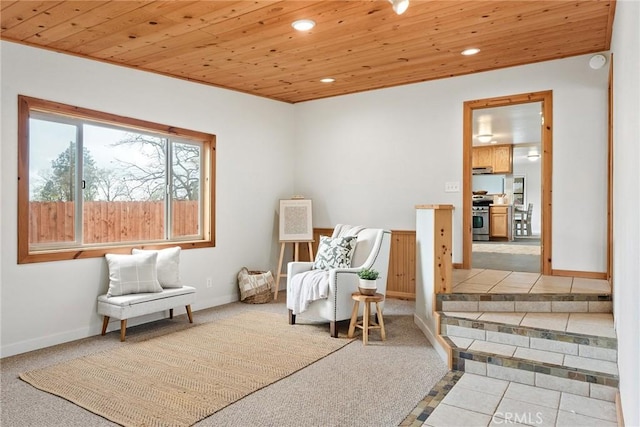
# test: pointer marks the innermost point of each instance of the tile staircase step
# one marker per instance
(576, 380)
(568, 339)
(525, 302)
(555, 359)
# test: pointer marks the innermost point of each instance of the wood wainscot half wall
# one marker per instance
(401, 279)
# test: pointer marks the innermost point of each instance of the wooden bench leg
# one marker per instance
(292, 318)
(105, 323)
(171, 313)
(123, 329)
(188, 307)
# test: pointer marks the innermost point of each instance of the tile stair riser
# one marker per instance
(564, 303)
(582, 382)
(473, 329)
(552, 359)
(524, 297)
(582, 352)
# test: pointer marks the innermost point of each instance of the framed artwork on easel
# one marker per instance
(295, 220)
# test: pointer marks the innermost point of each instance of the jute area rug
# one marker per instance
(507, 249)
(183, 377)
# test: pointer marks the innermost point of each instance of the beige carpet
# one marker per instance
(180, 378)
(507, 249)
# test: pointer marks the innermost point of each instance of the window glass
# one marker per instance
(185, 189)
(124, 185)
(52, 179)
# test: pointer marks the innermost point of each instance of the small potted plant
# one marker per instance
(367, 278)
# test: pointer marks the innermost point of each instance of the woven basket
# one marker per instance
(255, 286)
(261, 298)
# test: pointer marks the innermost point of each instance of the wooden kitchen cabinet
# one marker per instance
(500, 219)
(482, 157)
(502, 158)
(498, 157)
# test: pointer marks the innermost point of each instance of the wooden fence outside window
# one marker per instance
(110, 222)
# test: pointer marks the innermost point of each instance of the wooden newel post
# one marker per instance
(434, 264)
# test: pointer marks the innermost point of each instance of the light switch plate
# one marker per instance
(451, 187)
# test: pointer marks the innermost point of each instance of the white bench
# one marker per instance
(124, 307)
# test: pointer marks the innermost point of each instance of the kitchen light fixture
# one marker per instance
(303, 24)
(328, 80)
(470, 51)
(399, 6)
(533, 156)
(485, 138)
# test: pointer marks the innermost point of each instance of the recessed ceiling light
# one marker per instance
(303, 24)
(399, 6)
(471, 51)
(328, 80)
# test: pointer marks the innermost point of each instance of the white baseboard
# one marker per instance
(96, 328)
(203, 304)
(442, 352)
(48, 341)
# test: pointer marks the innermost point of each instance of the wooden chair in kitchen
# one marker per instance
(522, 221)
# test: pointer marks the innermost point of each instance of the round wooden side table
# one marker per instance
(366, 325)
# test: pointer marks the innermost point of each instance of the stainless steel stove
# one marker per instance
(480, 217)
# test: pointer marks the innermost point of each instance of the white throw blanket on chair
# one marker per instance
(313, 285)
(307, 287)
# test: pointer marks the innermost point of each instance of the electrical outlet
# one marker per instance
(451, 187)
(209, 282)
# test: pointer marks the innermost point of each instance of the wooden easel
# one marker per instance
(296, 257)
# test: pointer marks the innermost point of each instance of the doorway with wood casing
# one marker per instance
(474, 130)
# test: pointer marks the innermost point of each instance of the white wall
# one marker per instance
(626, 201)
(48, 303)
(370, 158)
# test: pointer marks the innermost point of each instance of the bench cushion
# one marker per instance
(132, 305)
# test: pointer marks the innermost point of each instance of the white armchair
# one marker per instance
(371, 251)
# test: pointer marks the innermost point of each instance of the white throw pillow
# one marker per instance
(132, 274)
(167, 266)
(335, 252)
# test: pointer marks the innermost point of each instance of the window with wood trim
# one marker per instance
(91, 183)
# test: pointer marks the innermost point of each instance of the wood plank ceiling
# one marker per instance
(249, 46)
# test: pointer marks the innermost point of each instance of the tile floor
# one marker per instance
(479, 280)
(475, 400)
